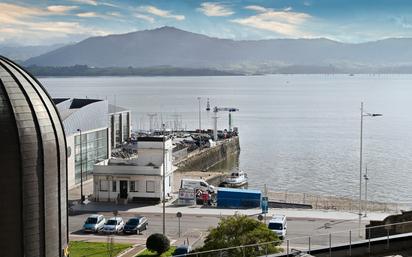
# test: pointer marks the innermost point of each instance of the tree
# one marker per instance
(158, 243)
(240, 230)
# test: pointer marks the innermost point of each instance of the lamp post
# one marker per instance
(366, 191)
(164, 183)
(81, 168)
(362, 114)
(200, 117)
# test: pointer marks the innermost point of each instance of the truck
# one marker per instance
(188, 183)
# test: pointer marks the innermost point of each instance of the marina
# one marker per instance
(301, 136)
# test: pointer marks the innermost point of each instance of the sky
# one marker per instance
(41, 22)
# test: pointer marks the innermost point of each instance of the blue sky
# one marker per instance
(48, 22)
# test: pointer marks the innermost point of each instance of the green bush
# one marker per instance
(240, 230)
(158, 243)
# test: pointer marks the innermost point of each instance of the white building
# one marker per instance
(88, 118)
(139, 178)
(97, 122)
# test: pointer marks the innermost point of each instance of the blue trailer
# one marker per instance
(238, 198)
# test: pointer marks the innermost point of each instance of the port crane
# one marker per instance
(222, 109)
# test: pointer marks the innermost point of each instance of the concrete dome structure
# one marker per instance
(33, 175)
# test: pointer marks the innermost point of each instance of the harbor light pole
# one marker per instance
(81, 168)
(362, 114)
(366, 191)
(164, 183)
(200, 117)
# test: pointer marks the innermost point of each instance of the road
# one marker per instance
(195, 226)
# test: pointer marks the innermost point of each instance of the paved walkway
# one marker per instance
(170, 209)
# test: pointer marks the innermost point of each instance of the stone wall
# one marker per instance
(207, 158)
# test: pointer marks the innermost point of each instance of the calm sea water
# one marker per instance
(299, 133)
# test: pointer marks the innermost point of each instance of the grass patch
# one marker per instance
(86, 249)
(148, 253)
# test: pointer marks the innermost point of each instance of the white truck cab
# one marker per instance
(278, 224)
(196, 184)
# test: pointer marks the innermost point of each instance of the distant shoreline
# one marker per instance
(164, 71)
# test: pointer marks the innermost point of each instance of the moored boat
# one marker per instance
(236, 179)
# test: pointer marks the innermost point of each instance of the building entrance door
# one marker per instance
(123, 189)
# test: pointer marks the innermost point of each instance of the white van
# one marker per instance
(196, 184)
(278, 225)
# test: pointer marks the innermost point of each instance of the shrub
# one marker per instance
(158, 243)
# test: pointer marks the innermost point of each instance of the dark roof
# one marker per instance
(59, 100)
(79, 103)
(33, 177)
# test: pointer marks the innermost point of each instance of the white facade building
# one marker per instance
(87, 135)
(137, 179)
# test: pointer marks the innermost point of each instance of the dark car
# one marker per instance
(135, 225)
(182, 250)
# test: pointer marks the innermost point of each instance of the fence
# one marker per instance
(332, 202)
(345, 241)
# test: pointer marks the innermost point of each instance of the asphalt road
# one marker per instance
(195, 226)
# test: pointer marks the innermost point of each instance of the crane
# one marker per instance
(222, 109)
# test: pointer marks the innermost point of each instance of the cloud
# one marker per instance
(215, 9)
(94, 3)
(161, 13)
(61, 9)
(144, 17)
(88, 2)
(115, 14)
(283, 22)
(29, 24)
(256, 8)
(87, 15)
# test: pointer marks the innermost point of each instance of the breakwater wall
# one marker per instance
(205, 159)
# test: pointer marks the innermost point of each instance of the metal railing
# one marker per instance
(306, 244)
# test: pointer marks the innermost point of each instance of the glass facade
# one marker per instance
(93, 149)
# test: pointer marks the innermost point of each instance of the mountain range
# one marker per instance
(22, 53)
(169, 46)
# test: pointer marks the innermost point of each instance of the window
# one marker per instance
(134, 186)
(114, 184)
(104, 185)
(150, 186)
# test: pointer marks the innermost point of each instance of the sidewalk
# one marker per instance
(200, 210)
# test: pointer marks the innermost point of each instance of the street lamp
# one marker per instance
(81, 168)
(362, 114)
(366, 191)
(164, 183)
(200, 118)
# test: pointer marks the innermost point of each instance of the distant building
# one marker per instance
(96, 121)
(137, 178)
(33, 192)
(119, 123)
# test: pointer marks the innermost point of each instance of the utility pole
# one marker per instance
(360, 171)
(81, 168)
(366, 191)
(362, 114)
(164, 183)
(200, 117)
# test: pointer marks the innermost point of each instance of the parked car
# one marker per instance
(135, 225)
(94, 223)
(182, 250)
(113, 225)
(278, 224)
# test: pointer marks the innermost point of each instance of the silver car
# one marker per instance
(113, 225)
(94, 223)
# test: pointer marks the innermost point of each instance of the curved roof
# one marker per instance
(33, 174)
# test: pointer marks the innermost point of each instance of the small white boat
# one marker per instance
(236, 179)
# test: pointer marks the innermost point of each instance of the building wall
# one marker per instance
(105, 190)
(120, 127)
